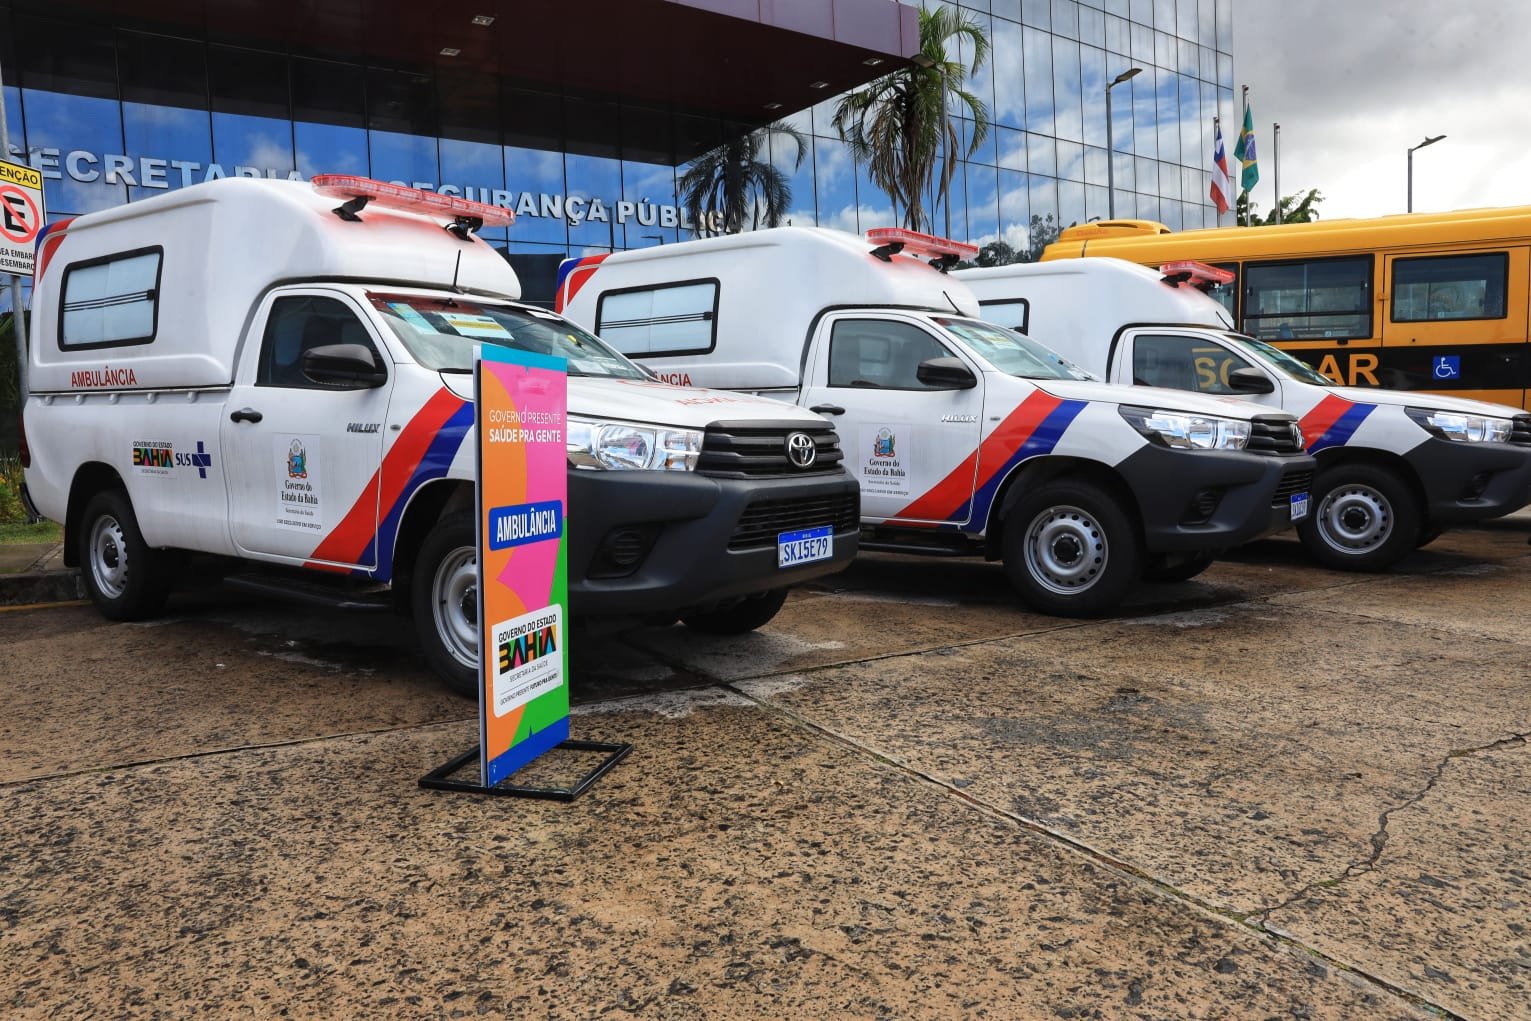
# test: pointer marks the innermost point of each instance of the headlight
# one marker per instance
(1452, 425)
(1184, 431)
(617, 445)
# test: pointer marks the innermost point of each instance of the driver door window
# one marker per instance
(880, 354)
(1183, 363)
(298, 324)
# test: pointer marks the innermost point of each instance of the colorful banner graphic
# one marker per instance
(522, 575)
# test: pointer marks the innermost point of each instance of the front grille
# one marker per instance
(1520, 429)
(763, 520)
(1293, 482)
(1273, 435)
(754, 450)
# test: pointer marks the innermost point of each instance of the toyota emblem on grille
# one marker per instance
(800, 450)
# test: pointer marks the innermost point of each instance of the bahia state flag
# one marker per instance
(1245, 153)
(1220, 186)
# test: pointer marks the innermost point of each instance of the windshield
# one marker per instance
(442, 333)
(1294, 367)
(1012, 353)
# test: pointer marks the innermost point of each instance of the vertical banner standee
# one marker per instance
(523, 598)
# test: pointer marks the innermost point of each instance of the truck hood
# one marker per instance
(1154, 397)
(654, 403)
(1418, 399)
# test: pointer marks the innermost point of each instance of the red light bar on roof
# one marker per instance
(915, 243)
(412, 200)
(1199, 273)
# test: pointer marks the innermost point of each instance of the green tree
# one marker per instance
(1302, 208)
(901, 125)
(739, 182)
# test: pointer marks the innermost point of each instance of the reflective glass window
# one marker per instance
(532, 120)
(1015, 212)
(1037, 62)
(86, 133)
(795, 163)
(874, 208)
(165, 114)
(1450, 287)
(1123, 167)
(1037, 13)
(1206, 23)
(1044, 213)
(1187, 19)
(1313, 298)
(1066, 95)
(476, 171)
(646, 208)
(1097, 203)
(589, 204)
(329, 103)
(406, 159)
(1012, 149)
(1092, 27)
(1225, 25)
(1065, 16)
(1010, 9)
(1094, 165)
(1145, 117)
(949, 218)
(1118, 38)
(1042, 155)
(536, 178)
(835, 184)
(1142, 11)
(1070, 203)
(1070, 161)
(252, 107)
(1092, 71)
(1168, 95)
(982, 204)
(1146, 173)
(1164, 16)
(1009, 78)
(536, 267)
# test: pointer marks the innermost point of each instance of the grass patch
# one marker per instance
(20, 531)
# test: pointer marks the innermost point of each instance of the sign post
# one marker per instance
(522, 576)
(21, 218)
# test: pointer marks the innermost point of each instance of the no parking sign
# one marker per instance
(21, 216)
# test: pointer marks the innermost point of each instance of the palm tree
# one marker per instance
(736, 182)
(901, 125)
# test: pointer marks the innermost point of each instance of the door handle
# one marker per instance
(827, 409)
(246, 415)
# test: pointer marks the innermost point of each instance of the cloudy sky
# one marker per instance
(1355, 83)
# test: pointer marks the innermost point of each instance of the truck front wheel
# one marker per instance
(1364, 519)
(445, 600)
(1070, 550)
(744, 616)
(126, 578)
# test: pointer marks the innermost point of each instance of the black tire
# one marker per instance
(445, 602)
(126, 578)
(1364, 518)
(1427, 535)
(1070, 550)
(742, 617)
(1172, 567)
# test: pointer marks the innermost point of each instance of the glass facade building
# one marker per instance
(112, 111)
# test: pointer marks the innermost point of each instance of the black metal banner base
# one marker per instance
(436, 779)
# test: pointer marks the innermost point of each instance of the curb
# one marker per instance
(43, 587)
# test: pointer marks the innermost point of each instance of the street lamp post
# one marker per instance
(1429, 140)
(1110, 148)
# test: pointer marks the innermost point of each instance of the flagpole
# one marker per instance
(1276, 155)
(1248, 198)
(1217, 216)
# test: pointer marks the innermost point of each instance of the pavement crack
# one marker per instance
(1379, 838)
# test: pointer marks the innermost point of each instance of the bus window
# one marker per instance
(1226, 293)
(1308, 300)
(1450, 287)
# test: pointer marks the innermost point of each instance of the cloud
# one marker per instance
(1355, 85)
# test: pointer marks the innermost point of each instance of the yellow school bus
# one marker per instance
(1421, 301)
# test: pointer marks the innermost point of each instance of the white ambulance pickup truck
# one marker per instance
(966, 438)
(1394, 468)
(281, 373)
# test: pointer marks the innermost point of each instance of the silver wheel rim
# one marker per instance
(1066, 550)
(108, 557)
(1355, 519)
(454, 604)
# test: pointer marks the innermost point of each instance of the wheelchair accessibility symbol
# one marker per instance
(1446, 366)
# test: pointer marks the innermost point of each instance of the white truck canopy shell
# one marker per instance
(772, 286)
(224, 244)
(1076, 305)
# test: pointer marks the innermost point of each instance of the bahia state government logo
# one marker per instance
(882, 446)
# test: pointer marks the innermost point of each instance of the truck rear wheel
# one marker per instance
(742, 617)
(126, 578)
(1364, 519)
(1070, 550)
(445, 600)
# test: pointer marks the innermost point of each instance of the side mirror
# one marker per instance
(948, 373)
(1250, 380)
(343, 365)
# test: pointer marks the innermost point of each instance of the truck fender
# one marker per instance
(426, 506)
(89, 479)
(1330, 457)
(1034, 472)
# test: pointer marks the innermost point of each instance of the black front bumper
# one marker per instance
(699, 548)
(1471, 481)
(1210, 500)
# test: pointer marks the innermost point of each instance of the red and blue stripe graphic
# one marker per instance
(576, 273)
(967, 493)
(1332, 422)
(423, 453)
